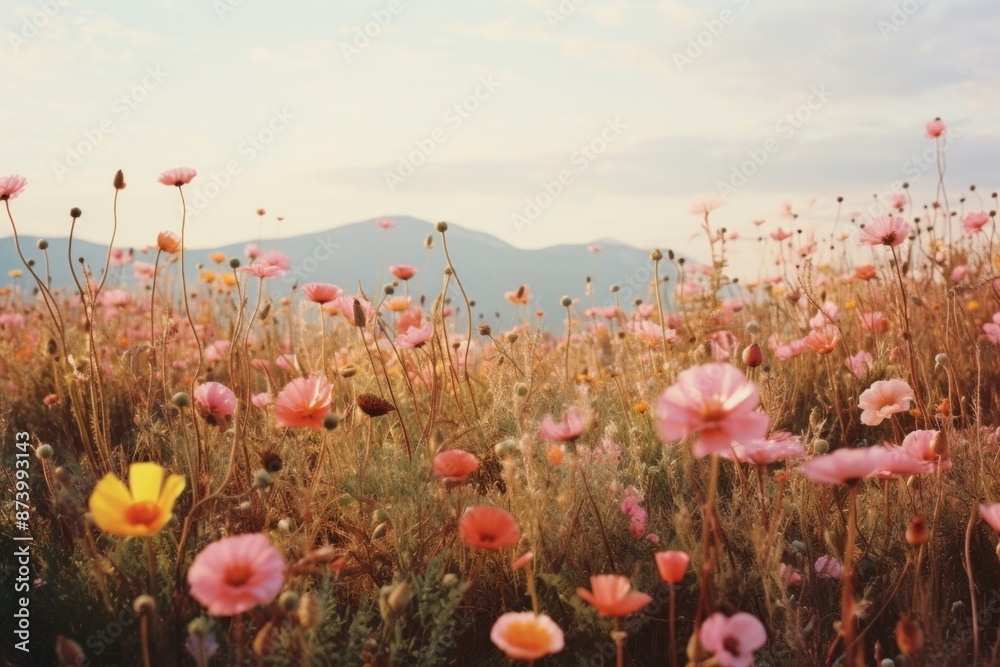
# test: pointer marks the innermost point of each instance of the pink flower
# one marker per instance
(345, 306)
(846, 465)
(900, 463)
(252, 251)
(276, 258)
(415, 336)
(897, 200)
(860, 363)
(403, 271)
(262, 270)
(992, 329)
(633, 510)
(321, 292)
(780, 235)
(874, 321)
(883, 399)
(11, 186)
(178, 176)
(572, 426)
(142, 271)
(386, 223)
(789, 575)
(303, 403)
(921, 445)
(217, 351)
(288, 363)
(828, 567)
(261, 400)
(732, 640)
(216, 402)
(823, 341)
(778, 447)
(958, 273)
(613, 595)
(454, 465)
(888, 231)
(714, 401)
(235, 574)
(991, 515)
(974, 221)
(594, 248)
(934, 129)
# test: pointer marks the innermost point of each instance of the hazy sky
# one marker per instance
(466, 111)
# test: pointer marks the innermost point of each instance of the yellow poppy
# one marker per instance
(141, 508)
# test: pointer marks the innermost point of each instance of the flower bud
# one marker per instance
(42, 244)
(441, 227)
(144, 604)
(753, 356)
(44, 452)
(909, 636)
(181, 399)
(68, 652)
(262, 479)
(917, 532)
(330, 421)
(289, 600)
(119, 181)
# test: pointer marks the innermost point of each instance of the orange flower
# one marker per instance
(672, 565)
(488, 527)
(555, 453)
(527, 636)
(613, 595)
(865, 272)
(217, 257)
(168, 242)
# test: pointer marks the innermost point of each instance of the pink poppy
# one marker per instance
(216, 402)
(178, 176)
(900, 463)
(303, 403)
(344, 304)
(883, 399)
(612, 595)
(846, 465)
(454, 465)
(321, 292)
(403, 271)
(714, 401)
(921, 446)
(732, 640)
(386, 223)
(11, 186)
(860, 363)
(765, 451)
(974, 221)
(672, 565)
(261, 400)
(934, 129)
(488, 527)
(262, 270)
(235, 574)
(888, 231)
(828, 567)
(572, 426)
(780, 235)
(415, 336)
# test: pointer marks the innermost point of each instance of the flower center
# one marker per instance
(732, 646)
(713, 410)
(143, 513)
(237, 574)
(527, 634)
(888, 239)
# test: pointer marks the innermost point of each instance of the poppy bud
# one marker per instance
(753, 356)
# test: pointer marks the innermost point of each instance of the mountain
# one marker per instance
(487, 266)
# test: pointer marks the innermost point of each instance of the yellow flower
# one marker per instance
(141, 508)
(15, 273)
(851, 305)
(640, 407)
(207, 276)
(228, 279)
(972, 306)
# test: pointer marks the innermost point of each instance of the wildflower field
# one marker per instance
(794, 466)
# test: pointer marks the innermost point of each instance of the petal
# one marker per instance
(144, 479)
(172, 489)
